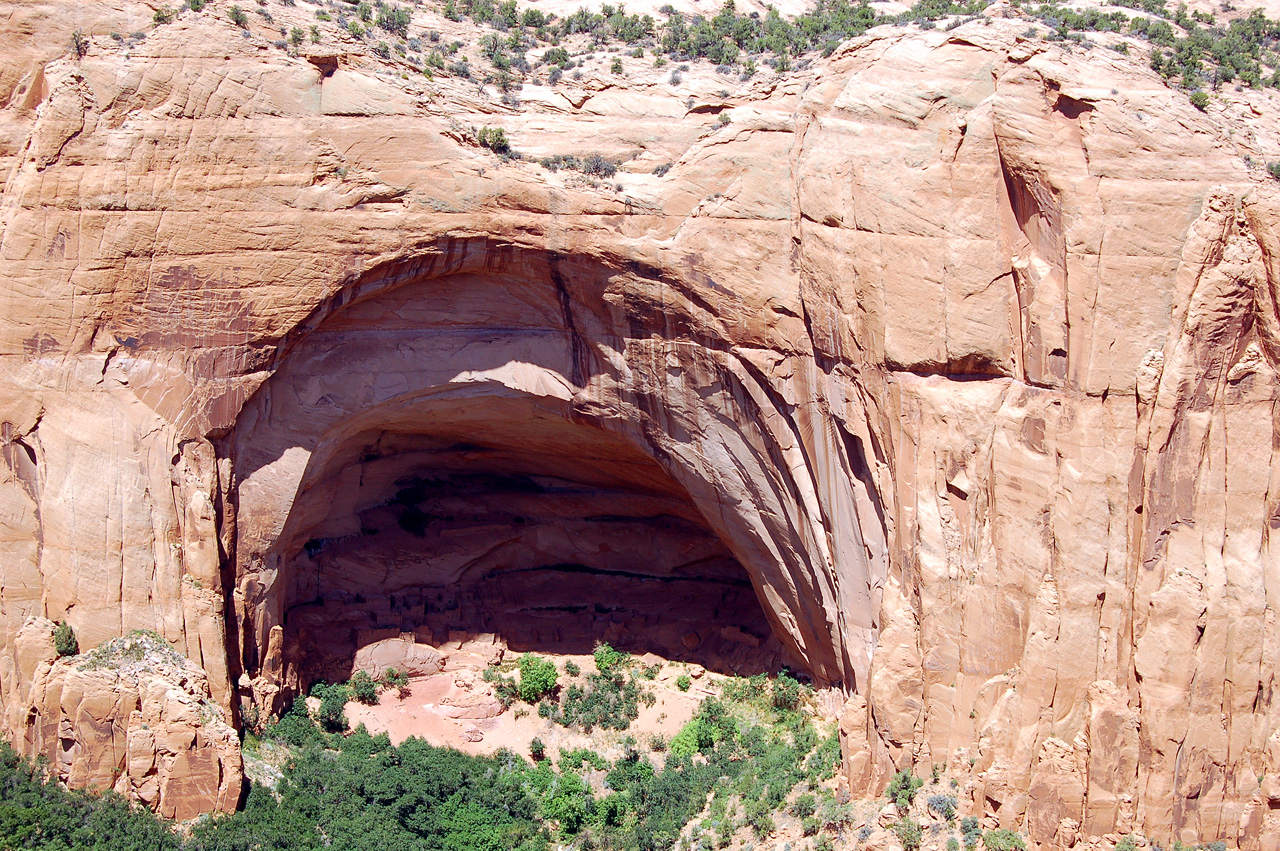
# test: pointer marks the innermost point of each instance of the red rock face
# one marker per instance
(945, 373)
(141, 723)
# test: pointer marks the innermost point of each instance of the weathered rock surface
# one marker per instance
(132, 715)
(959, 348)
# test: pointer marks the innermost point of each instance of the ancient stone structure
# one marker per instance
(944, 371)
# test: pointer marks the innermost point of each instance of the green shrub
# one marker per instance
(571, 668)
(1199, 100)
(760, 818)
(1003, 839)
(36, 811)
(505, 688)
(607, 659)
(537, 678)
(943, 806)
(902, 789)
(1273, 169)
(494, 138)
(333, 702)
(610, 701)
(537, 749)
(237, 16)
(163, 15)
(616, 67)
(683, 682)
(1127, 843)
(909, 833)
(953, 844)
(295, 727)
(398, 680)
(393, 19)
(786, 690)
(971, 830)
(363, 688)
(576, 758)
(64, 640)
(804, 806)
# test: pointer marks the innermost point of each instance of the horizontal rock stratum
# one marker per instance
(957, 348)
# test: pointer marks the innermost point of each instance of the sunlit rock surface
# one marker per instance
(944, 372)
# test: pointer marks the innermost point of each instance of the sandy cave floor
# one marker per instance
(457, 708)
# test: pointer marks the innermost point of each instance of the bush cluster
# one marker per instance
(1003, 839)
(64, 640)
(608, 701)
(495, 139)
(357, 791)
(902, 789)
(943, 806)
(538, 678)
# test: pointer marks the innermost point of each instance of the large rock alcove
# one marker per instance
(476, 446)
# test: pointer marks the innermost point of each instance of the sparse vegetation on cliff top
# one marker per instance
(141, 651)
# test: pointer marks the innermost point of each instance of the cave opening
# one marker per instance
(501, 518)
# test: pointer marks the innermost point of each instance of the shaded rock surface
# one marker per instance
(959, 350)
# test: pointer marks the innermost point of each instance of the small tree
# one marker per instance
(398, 680)
(333, 700)
(909, 833)
(943, 806)
(79, 44)
(786, 692)
(607, 659)
(296, 36)
(363, 688)
(495, 139)
(238, 17)
(537, 750)
(64, 640)
(537, 678)
(902, 789)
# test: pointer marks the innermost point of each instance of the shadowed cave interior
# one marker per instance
(548, 534)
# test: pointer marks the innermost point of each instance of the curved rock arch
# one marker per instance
(612, 348)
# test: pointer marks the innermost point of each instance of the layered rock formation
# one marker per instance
(131, 715)
(959, 348)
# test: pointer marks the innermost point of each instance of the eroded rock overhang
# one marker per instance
(482, 369)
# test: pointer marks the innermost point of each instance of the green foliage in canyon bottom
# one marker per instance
(743, 756)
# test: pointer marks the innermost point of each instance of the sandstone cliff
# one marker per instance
(959, 347)
(132, 715)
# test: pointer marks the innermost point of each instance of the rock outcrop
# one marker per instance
(958, 348)
(131, 715)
